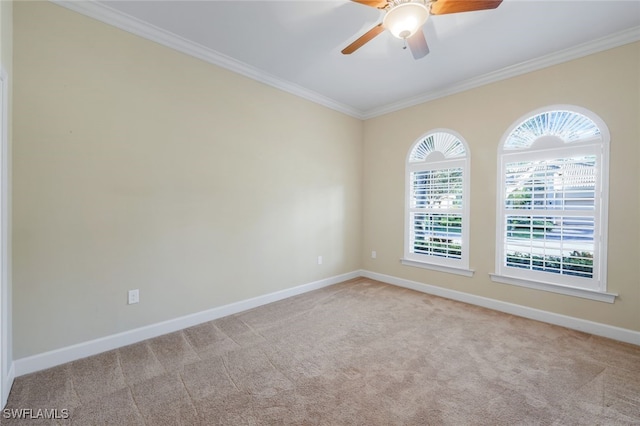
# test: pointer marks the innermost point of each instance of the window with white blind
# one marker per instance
(552, 203)
(436, 222)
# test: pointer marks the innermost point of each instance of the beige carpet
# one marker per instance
(359, 352)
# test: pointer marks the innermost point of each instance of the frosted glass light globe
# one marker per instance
(405, 19)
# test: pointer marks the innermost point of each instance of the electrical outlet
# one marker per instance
(374, 254)
(319, 260)
(134, 296)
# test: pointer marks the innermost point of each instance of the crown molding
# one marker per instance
(107, 15)
(110, 16)
(609, 42)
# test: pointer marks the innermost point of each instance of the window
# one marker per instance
(552, 202)
(436, 222)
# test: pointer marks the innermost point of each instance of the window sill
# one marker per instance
(440, 268)
(554, 288)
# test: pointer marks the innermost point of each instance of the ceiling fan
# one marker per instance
(405, 18)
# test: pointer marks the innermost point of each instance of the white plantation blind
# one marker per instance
(556, 184)
(435, 226)
(437, 189)
(551, 211)
(436, 212)
(447, 144)
(568, 126)
(549, 215)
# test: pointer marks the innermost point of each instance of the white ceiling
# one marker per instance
(295, 45)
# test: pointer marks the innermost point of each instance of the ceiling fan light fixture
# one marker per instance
(404, 19)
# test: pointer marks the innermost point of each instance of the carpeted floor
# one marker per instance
(359, 352)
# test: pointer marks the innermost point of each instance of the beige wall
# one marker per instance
(136, 166)
(607, 84)
(6, 30)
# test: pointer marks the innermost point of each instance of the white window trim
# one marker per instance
(502, 276)
(600, 296)
(441, 268)
(584, 148)
(453, 266)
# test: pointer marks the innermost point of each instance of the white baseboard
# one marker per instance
(81, 350)
(591, 327)
(6, 385)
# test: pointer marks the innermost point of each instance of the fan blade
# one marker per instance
(366, 37)
(418, 45)
(442, 7)
(378, 4)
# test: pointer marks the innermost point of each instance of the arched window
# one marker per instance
(436, 221)
(552, 203)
